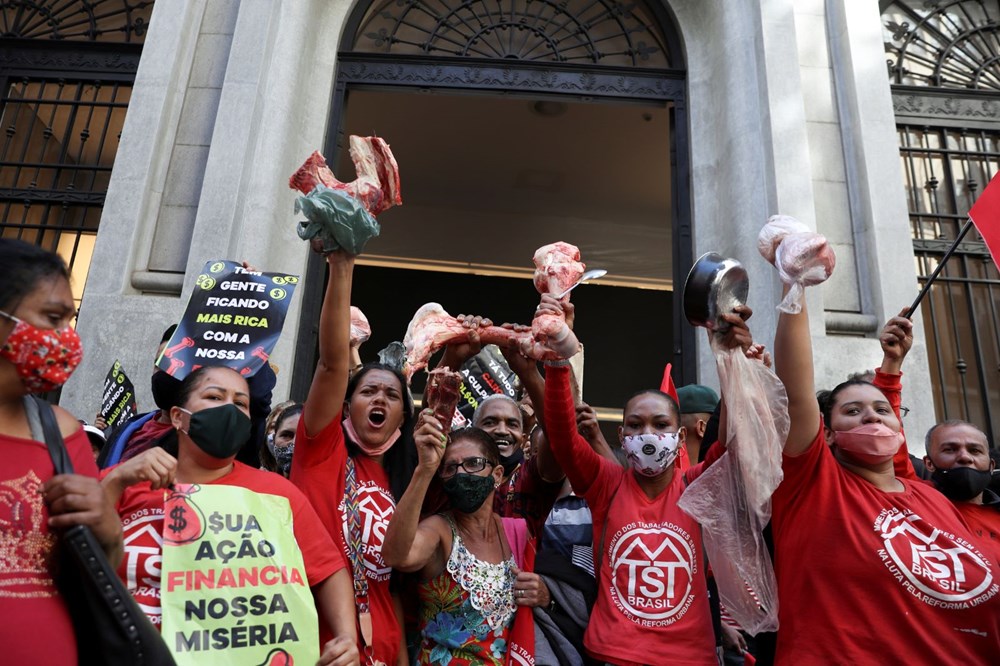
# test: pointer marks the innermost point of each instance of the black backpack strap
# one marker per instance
(41, 412)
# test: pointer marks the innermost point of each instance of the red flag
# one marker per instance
(667, 383)
(985, 215)
(667, 386)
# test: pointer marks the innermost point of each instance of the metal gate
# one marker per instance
(944, 63)
(66, 73)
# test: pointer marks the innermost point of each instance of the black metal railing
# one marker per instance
(945, 169)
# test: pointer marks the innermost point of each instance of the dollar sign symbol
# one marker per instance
(179, 523)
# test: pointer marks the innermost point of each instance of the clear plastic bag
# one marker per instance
(732, 498)
(361, 330)
(803, 258)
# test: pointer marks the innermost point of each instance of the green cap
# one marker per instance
(697, 399)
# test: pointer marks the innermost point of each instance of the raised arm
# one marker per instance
(793, 363)
(574, 455)
(329, 385)
(411, 545)
(896, 339)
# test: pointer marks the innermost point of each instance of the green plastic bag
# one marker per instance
(337, 219)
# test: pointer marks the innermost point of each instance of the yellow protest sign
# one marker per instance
(234, 588)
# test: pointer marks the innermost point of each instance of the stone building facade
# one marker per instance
(770, 106)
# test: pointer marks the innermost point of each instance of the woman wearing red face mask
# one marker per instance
(354, 457)
(38, 352)
(868, 563)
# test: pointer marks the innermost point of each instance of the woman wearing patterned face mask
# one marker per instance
(652, 597)
(279, 445)
(213, 423)
(470, 586)
(38, 352)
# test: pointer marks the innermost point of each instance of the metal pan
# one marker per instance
(714, 287)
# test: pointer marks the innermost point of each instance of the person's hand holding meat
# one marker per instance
(551, 334)
(429, 436)
(457, 354)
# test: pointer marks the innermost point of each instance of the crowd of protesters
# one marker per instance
(524, 537)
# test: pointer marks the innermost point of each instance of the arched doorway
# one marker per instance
(516, 124)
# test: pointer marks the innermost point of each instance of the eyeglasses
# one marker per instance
(470, 465)
(903, 411)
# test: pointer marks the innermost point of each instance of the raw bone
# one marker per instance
(557, 267)
(361, 330)
(377, 184)
(432, 328)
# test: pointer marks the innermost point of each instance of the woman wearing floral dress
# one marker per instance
(470, 586)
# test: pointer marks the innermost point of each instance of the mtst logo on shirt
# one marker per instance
(143, 559)
(652, 572)
(376, 508)
(937, 567)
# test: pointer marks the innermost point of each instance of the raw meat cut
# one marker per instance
(377, 184)
(557, 267)
(442, 394)
(775, 231)
(361, 330)
(432, 328)
(803, 258)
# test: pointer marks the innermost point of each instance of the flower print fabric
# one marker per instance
(467, 610)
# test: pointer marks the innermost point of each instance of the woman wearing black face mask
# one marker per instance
(467, 557)
(213, 422)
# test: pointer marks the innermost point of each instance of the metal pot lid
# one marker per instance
(716, 285)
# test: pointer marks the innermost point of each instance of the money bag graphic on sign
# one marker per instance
(184, 521)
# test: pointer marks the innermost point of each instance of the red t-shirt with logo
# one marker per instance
(863, 572)
(319, 468)
(141, 511)
(984, 522)
(35, 627)
(652, 601)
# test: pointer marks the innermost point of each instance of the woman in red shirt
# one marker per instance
(38, 352)
(213, 424)
(353, 481)
(868, 563)
(652, 599)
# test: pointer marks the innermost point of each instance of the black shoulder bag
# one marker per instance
(110, 628)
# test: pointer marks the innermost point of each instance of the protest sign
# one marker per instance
(234, 319)
(118, 404)
(484, 374)
(234, 588)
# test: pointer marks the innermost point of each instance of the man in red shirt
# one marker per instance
(958, 457)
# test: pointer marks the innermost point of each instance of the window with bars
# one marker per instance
(944, 64)
(66, 73)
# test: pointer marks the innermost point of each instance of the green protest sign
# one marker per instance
(234, 589)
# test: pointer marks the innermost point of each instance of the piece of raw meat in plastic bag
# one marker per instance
(732, 498)
(803, 258)
(771, 235)
(361, 330)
